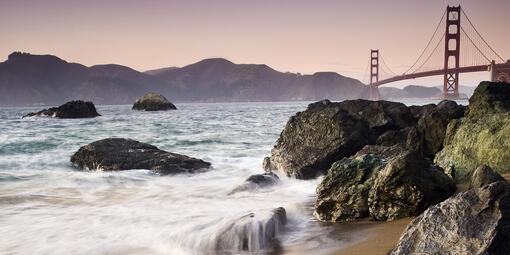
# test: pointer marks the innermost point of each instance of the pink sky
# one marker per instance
(288, 35)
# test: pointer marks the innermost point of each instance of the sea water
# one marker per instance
(47, 206)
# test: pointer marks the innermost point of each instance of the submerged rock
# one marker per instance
(153, 102)
(484, 175)
(250, 233)
(343, 193)
(481, 136)
(257, 181)
(473, 222)
(115, 154)
(407, 186)
(69, 110)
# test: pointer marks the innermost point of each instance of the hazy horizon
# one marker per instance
(293, 36)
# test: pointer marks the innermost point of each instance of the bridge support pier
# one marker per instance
(373, 93)
(452, 52)
(500, 72)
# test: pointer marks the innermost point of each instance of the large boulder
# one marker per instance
(434, 122)
(115, 154)
(69, 110)
(327, 132)
(484, 175)
(473, 222)
(481, 136)
(153, 102)
(312, 140)
(343, 193)
(407, 186)
(249, 233)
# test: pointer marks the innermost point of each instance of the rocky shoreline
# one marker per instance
(378, 160)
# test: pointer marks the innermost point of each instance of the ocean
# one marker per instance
(47, 206)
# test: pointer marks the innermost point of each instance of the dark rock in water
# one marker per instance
(250, 233)
(326, 132)
(115, 154)
(343, 193)
(407, 186)
(473, 222)
(153, 102)
(481, 136)
(257, 181)
(312, 140)
(69, 110)
(433, 123)
(484, 175)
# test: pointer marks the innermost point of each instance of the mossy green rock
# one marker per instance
(343, 193)
(482, 137)
(472, 142)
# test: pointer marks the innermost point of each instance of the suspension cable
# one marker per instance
(432, 53)
(428, 44)
(387, 67)
(474, 44)
(467, 17)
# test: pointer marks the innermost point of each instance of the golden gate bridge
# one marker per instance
(434, 60)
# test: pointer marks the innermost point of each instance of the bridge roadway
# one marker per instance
(469, 69)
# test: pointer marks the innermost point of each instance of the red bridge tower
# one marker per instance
(452, 52)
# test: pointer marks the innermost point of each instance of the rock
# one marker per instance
(69, 110)
(326, 132)
(419, 110)
(257, 181)
(433, 123)
(153, 102)
(473, 222)
(407, 186)
(343, 193)
(484, 175)
(312, 140)
(250, 233)
(489, 98)
(115, 154)
(480, 137)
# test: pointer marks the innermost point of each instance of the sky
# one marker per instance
(288, 35)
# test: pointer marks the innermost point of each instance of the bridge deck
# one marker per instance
(469, 69)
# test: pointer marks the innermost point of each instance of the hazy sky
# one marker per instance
(288, 35)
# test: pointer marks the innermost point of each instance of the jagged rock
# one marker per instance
(406, 186)
(433, 123)
(115, 154)
(343, 193)
(69, 110)
(153, 102)
(312, 140)
(326, 132)
(484, 175)
(481, 136)
(489, 98)
(257, 181)
(473, 222)
(250, 233)
(419, 110)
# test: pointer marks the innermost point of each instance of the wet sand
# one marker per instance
(382, 238)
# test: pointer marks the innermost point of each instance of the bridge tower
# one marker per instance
(374, 75)
(452, 52)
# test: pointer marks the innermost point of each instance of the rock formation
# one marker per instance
(153, 102)
(484, 175)
(481, 136)
(115, 154)
(473, 222)
(69, 110)
(257, 181)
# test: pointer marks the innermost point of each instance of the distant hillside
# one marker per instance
(159, 70)
(27, 79)
(411, 91)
